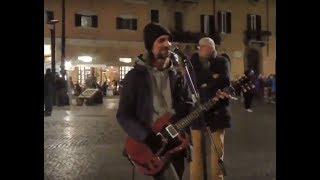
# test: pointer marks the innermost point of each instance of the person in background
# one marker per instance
(48, 92)
(211, 72)
(248, 95)
(104, 88)
(70, 89)
(260, 86)
(273, 89)
(91, 81)
(269, 86)
(77, 89)
(59, 86)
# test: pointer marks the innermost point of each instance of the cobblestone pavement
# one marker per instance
(86, 142)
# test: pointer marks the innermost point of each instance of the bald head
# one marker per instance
(207, 41)
(206, 47)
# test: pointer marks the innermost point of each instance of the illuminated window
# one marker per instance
(84, 72)
(124, 70)
(85, 21)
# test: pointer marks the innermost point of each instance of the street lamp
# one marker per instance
(53, 22)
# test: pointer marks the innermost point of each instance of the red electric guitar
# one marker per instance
(172, 133)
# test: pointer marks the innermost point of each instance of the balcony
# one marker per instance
(184, 1)
(256, 36)
(136, 1)
(193, 37)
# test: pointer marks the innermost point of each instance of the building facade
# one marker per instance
(109, 33)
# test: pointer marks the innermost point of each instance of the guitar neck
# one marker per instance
(243, 83)
(186, 121)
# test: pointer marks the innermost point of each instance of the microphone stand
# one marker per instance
(196, 99)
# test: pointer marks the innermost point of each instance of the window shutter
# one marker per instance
(119, 23)
(178, 21)
(249, 22)
(94, 21)
(202, 23)
(49, 15)
(211, 24)
(258, 20)
(134, 24)
(229, 22)
(77, 20)
(155, 16)
(219, 22)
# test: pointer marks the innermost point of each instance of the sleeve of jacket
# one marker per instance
(223, 79)
(126, 114)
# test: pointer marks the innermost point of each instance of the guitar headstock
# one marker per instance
(243, 83)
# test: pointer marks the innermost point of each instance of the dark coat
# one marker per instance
(218, 117)
(48, 84)
(136, 101)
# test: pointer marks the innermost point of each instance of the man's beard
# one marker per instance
(163, 54)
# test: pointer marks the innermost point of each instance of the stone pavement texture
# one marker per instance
(86, 142)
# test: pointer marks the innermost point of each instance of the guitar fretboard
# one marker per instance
(186, 121)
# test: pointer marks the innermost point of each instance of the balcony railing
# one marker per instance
(261, 36)
(183, 1)
(193, 37)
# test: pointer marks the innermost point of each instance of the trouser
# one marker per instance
(196, 165)
(48, 103)
(173, 171)
(248, 97)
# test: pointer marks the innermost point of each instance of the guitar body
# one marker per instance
(145, 160)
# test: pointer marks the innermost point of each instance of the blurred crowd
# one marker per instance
(265, 87)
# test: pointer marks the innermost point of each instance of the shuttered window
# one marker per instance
(178, 21)
(154, 16)
(254, 22)
(126, 23)
(207, 24)
(224, 22)
(86, 20)
(49, 16)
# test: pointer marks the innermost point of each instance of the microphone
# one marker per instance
(181, 55)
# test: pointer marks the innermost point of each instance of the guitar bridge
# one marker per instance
(172, 131)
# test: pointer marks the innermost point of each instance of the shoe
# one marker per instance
(249, 110)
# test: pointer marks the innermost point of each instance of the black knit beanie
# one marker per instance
(151, 32)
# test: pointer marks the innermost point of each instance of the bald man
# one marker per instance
(211, 72)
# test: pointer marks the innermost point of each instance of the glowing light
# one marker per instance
(47, 50)
(68, 65)
(125, 60)
(85, 58)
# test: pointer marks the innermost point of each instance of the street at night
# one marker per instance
(86, 142)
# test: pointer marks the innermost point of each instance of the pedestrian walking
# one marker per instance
(48, 92)
(248, 95)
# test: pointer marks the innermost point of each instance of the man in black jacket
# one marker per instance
(152, 88)
(210, 73)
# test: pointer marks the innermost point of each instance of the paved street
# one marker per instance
(86, 142)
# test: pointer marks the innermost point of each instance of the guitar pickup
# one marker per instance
(172, 131)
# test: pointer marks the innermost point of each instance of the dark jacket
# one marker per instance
(48, 84)
(218, 117)
(136, 101)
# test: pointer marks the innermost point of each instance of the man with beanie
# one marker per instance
(152, 88)
(210, 73)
